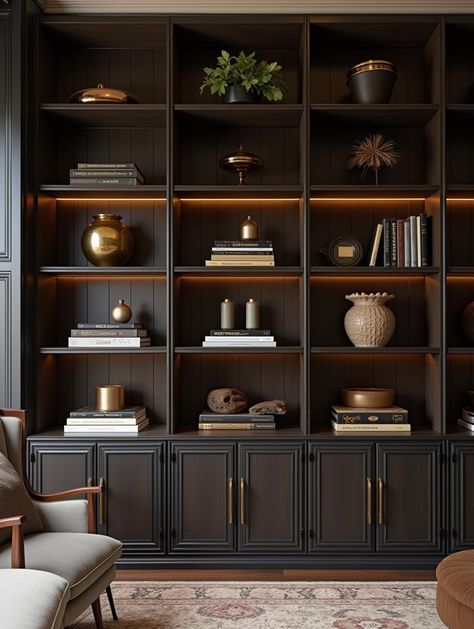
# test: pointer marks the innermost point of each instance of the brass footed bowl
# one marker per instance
(101, 94)
(371, 397)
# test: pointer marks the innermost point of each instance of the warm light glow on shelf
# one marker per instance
(460, 199)
(110, 200)
(239, 200)
(352, 199)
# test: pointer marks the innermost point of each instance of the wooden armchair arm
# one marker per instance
(18, 546)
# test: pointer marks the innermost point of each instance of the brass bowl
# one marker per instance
(370, 397)
(101, 94)
(107, 241)
(242, 162)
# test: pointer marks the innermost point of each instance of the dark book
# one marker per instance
(104, 181)
(238, 252)
(348, 415)
(424, 240)
(107, 332)
(236, 426)
(109, 326)
(240, 333)
(91, 411)
(209, 417)
(393, 242)
(243, 243)
(406, 242)
(413, 241)
(101, 173)
(386, 242)
(400, 243)
(106, 166)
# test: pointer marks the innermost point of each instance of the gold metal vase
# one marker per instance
(107, 241)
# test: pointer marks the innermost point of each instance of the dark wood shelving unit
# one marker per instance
(105, 115)
(372, 270)
(92, 271)
(375, 350)
(66, 191)
(102, 350)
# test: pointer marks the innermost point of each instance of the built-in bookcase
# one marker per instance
(302, 199)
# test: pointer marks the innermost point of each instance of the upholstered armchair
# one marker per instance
(56, 533)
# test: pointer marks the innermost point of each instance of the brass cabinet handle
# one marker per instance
(102, 502)
(369, 501)
(89, 481)
(381, 501)
(242, 501)
(230, 500)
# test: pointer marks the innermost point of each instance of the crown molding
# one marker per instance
(252, 6)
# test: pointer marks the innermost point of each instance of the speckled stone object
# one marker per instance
(369, 323)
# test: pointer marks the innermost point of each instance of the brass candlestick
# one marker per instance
(242, 162)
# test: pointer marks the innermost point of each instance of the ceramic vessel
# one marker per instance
(371, 82)
(369, 323)
(238, 95)
(107, 241)
(468, 321)
(121, 313)
(370, 397)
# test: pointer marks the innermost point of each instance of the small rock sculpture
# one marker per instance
(271, 407)
(227, 401)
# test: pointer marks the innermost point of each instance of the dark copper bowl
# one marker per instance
(368, 397)
(103, 95)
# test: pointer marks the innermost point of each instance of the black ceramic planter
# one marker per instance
(238, 95)
(371, 87)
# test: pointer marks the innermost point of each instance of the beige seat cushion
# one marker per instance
(455, 592)
(80, 558)
(32, 599)
(15, 500)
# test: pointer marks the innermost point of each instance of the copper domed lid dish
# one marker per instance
(101, 94)
(370, 65)
(242, 162)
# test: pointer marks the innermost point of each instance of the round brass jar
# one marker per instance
(110, 397)
(107, 241)
(368, 397)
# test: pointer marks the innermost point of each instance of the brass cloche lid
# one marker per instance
(101, 94)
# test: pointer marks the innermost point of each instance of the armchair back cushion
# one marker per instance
(11, 441)
(15, 500)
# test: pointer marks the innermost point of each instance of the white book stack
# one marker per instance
(89, 420)
(239, 338)
(109, 335)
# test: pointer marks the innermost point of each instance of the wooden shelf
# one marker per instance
(106, 115)
(282, 432)
(373, 270)
(205, 271)
(103, 192)
(460, 191)
(103, 350)
(460, 114)
(390, 115)
(260, 115)
(236, 192)
(324, 431)
(382, 192)
(94, 271)
(375, 350)
(153, 431)
(466, 351)
(460, 270)
(239, 350)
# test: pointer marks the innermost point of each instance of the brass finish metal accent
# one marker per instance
(227, 314)
(370, 397)
(369, 501)
(242, 162)
(242, 501)
(249, 229)
(110, 397)
(101, 94)
(102, 502)
(252, 314)
(89, 481)
(380, 501)
(371, 64)
(121, 313)
(230, 500)
(107, 241)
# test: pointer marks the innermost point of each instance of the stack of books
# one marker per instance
(109, 335)
(237, 421)
(242, 253)
(467, 420)
(87, 174)
(405, 242)
(129, 420)
(389, 419)
(239, 338)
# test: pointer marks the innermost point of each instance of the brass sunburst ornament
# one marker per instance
(373, 152)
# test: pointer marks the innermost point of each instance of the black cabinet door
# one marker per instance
(202, 497)
(57, 466)
(409, 497)
(341, 497)
(270, 497)
(462, 495)
(131, 508)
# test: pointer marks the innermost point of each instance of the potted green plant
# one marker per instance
(243, 79)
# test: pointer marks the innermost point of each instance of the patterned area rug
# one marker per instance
(271, 605)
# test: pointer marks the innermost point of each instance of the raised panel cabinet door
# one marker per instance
(202, 497)
(56, 467)
(462, 496)
(131, 508)
(270, 485)
(341, 497)
(408, 501)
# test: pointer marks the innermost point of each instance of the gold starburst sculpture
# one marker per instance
(373, 152)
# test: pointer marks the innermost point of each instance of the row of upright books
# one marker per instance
(90, 174)
(239, 338)
(242, 253)
(130, 335)
(90, 420)
(388, 419)
(401, 243)
(235, 421)
(467, 419)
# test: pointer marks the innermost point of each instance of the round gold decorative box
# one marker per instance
(101, 94)
(107, 241)
(372, 397)
(110, 397)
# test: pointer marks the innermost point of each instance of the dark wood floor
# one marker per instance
(276, 575)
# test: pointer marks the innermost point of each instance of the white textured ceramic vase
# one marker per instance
(369, 323)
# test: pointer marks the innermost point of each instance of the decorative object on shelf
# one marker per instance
(369, 322)
(249, 229)
(371, 82)
(344, 251)
(269, 407)
(242, 79)
(242, 162)
(239, 338)
(227, 314)
(227, 401)
(242, 253)
(252, 314)
(370, 397)
(100, 95)
(467, 418)
(107, 241)
(121, 313)
(370, 419)
(90, 420)
(110, 397)
(405, 242)
(468, 321)
(110, 335)
(373, 153)
(89, 174)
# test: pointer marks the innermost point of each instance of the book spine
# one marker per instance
(109, 333)
(424, 240)
(418, 241)
(251, 250)
(109, 326)
(238, 344)
(400, 243)
(87, 165)
(371, 427)
(246, 253)
(386, 242)
(104, 181)
(74, 341)
(413, 241)
(265, 257)
(115, 429)
(393, 242)
(106, 414)
(239, 263)
(251, 419)
(370, 418)
(406, 242)
(239, 339)
(104, 421)
(82, 172)
(246, 244)
(232, 426)
(374, 250)
(240, 332)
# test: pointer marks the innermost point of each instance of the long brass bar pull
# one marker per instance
(381, 501)
(230, 500)
(242, 501)
(369, 501)
(102, 502)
